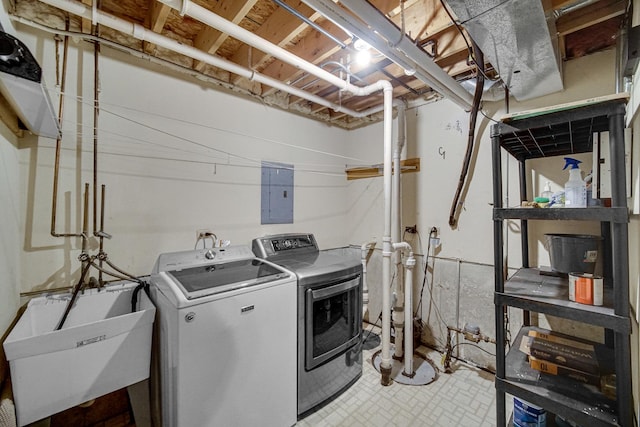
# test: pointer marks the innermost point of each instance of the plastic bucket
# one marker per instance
(571, 253)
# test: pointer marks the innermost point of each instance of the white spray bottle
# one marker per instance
(575, 190)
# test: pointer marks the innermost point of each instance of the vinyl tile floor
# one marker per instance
(464, 398)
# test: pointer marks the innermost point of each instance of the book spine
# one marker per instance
(560, 340)
(582, 360)
(553, 369)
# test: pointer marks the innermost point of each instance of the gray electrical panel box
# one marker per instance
(277, 193)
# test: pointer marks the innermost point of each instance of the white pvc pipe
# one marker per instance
(365, 288)
(141, 33)
(408, 308)
(440, 79)
(398, 316)
(187, 7)
(408, 317)
(385, 356)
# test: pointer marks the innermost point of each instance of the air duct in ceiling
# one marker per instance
(515, 37)
(22, 85)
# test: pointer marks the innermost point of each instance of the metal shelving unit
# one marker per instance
(556, 131)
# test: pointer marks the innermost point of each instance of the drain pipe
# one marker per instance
(410, 262)
(365, 288)
(398, 316)
(385, 359)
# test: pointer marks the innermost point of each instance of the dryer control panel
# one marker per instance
(268, 246)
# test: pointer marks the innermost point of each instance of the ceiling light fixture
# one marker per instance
(363, 52)
(363, 58)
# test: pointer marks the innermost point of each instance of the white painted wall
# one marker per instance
(10, 243)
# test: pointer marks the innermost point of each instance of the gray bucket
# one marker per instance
(573, 253)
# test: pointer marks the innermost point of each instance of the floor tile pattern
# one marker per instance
(464, 398)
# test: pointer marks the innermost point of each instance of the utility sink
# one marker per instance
(102, 347)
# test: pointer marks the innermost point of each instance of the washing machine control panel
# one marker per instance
(185, 259)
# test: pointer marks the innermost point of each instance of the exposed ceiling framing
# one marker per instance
(583, 27)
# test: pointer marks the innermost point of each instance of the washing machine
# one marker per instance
(226, 339)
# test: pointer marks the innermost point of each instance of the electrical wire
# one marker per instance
(371, 330)
(424, 280)
(456, 204)
(466, 41)
(252, 161)
(472, 345)
(192, 123)
(490, 118)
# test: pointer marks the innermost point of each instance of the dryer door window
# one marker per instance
(333, 320)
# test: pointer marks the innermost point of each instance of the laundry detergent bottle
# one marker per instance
(575, 190)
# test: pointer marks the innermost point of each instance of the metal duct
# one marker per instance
(22, 85)
(515, 36)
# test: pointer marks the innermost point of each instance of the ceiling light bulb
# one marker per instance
(363, 58)
(361, 45)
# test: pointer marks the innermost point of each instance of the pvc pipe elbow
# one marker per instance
(411, 261)
(403, 246)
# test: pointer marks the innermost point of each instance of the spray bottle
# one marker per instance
(575, 190)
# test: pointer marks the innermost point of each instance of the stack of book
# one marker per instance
(561, 356)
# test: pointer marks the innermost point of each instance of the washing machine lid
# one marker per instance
(196, 282)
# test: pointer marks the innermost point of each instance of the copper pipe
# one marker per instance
(85, 218)
(101, 234)
(96, 106)
(56, 168)
(87, 261)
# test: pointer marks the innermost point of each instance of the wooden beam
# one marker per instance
(406, 166)
(589, 15)
(450, 45)
(316, 48)
(280, 29)
(211, 39)
(158, 13)
(86, 26)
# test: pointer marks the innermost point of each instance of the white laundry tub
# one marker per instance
(101, 348)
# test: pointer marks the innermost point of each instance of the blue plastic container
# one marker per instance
(528, 415)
